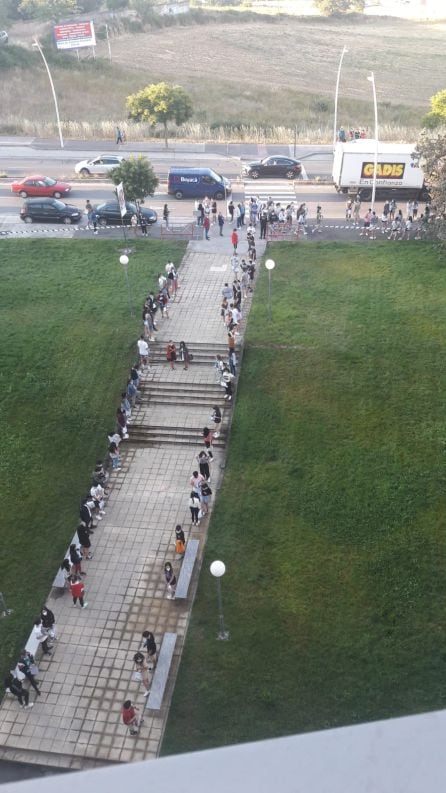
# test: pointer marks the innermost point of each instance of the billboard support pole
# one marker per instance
(36, 44)
(371, 79)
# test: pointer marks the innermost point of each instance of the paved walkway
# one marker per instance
(76, 721)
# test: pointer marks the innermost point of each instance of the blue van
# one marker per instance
(197, 183)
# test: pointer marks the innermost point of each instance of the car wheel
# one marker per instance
(23, 194)
(179, 194)
(67, 221)
(85, 172)
(28, 219)
(57, 194)
(290, 175)
(102, 222)
(254, 174)
(218, 196)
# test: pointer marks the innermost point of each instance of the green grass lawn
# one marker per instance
(67, 341)
(332, 515)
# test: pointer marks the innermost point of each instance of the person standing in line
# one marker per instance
(149, 645)
(131, 717)
(171, 354)
(171, 580)
(231, 210)
(216, 418)
(200, 213)
(27, 666)
(203, 460)
(41, 636)
(242, 213)
(77, 590)
(195, 482)
(221, 223)
(206, 226)
(172, 280)
(184, 354)
(180, 541)
(14, 686)
(234, 240)
(207, 440)
(49, 622)
(143, 224)
(235, 264)
(206, 494)
(263, 224)
(166, 215)
(227, 379)
(214, 212)
(121, 424)
(143, 350)
(194, 506)
(83, 535)
(357, 210)
(232, 361)
(141, 669)
(134, 223)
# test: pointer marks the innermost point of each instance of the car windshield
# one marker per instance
(58, 204)
(215, 176)
(48, 181)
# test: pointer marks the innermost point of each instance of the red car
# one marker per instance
(40, 186)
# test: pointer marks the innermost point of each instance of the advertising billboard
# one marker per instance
(72, 35)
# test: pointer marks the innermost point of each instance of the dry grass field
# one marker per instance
(271, 72)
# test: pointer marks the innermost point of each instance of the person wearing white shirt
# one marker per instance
(143, 349)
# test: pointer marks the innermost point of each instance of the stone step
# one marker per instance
(147, 439)
(174, 387)
(192, 401)
(174, 434)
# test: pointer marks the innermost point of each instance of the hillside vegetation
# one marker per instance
(265, 72)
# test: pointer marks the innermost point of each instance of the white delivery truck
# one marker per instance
(398, 170)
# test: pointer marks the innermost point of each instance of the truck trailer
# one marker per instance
(398, 170)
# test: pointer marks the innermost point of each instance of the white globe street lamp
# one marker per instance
(36, 44)
(371, 79)
(124, 260)
(218, 570)
(335, 125)
(270, 265)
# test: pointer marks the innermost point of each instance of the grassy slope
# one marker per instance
(294, 86)
(67, 341)
(332, 515)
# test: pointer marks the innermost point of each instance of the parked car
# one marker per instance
(40, 186)
(98, 165)
(4, 38)
(42, 210)
(279, 167)
(109, 213)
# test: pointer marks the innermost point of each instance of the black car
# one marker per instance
(279, 167)
(109, 214)
(42, 210)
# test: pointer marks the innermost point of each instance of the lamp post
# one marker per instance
(335, 124)
(218, 570)
(270, 265)
(371, 79)
(36, 44)
(4, 611)
(124, 260)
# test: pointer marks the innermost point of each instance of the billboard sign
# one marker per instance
(72, 35)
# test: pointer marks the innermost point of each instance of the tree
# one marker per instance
(437, 115)
(137, 176)
(329, 7)
(47, 9)
(160, 103)
(432, 150)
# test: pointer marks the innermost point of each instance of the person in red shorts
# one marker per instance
(77, 590)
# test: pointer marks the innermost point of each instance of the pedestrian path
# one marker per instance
(76, 722)
(281, 190)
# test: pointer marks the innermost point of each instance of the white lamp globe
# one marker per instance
(270, 264)
(218, 569)
(124, 260)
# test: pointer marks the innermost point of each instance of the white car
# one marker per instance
(101, 164)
